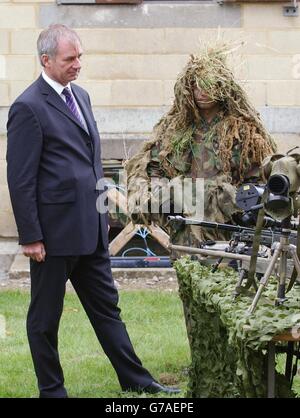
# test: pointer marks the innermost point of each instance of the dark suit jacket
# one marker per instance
(53, 168)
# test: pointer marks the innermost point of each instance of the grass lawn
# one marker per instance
(155, 324)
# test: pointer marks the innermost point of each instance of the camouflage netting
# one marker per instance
(228, 347)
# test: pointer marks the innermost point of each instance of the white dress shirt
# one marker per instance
(59, 89)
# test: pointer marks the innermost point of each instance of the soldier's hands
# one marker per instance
(36, 251)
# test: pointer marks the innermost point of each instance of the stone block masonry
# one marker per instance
(133, 54)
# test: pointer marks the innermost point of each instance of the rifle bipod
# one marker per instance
(282, 249)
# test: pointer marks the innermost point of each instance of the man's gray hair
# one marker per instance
(47, 42)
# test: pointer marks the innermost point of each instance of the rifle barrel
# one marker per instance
(226, 227)
(206, 224)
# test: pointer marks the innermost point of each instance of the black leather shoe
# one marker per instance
(156, 387)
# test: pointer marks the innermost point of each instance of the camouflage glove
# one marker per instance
(159, 197)
(219, 199)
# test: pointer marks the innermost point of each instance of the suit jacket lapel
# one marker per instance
(59, 104)
(54, 100)
(89, 118)
(86, 111)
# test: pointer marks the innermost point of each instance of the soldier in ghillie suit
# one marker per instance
(210, 132)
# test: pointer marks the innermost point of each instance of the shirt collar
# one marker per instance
(54, 84)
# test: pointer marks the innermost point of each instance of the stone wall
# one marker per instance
(133, 54)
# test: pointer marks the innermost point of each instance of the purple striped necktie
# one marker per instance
(72, 105)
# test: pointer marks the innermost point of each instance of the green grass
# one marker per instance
(155, 324)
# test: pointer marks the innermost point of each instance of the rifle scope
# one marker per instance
(278, 186)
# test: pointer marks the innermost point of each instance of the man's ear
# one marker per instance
(45, 60)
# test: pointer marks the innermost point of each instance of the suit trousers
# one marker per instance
(92, 280)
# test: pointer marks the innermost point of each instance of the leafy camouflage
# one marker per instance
(227, 345)
(201, 160)
(225, 152)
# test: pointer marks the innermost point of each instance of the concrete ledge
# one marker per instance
(8, 250)
(141, 120)
(138, 122)
(128, 120)
(120, 146)
(19, 268)
(281, 119)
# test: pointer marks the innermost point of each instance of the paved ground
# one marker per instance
(163, 279)
(14, 273)
(136, 284)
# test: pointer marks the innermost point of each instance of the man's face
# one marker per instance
(65, 65)
(202, 100)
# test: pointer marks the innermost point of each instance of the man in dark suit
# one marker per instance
(54, 164)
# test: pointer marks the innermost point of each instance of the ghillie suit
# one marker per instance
(225, 152)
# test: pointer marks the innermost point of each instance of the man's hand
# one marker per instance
(36, 251)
